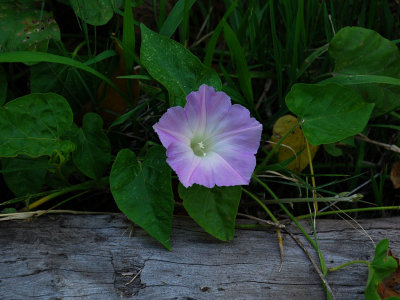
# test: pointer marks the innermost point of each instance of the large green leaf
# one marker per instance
(93, 12)
(24, 27)
(328, 112)
(34, 125)
(143, 192)
(24, 175)
(174, 66)
(93, 151)
(380, 268)
(213, 209)
(361, 51)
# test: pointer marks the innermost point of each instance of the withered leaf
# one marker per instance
(395, 175)
(390, 287)
(293, 146)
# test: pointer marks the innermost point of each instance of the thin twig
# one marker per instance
(201, 39)
(349, 194)
(264, 93)
(277, 225)
(203, 26)
(30, 214)
(364, 138)
(328, 288)
(134, 277)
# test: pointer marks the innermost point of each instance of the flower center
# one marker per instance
(200, 147)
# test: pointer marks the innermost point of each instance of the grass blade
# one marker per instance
(128, 37)
(238, 56)
(35, 57)
(175, 17)
(217, 31)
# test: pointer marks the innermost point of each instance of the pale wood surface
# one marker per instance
(86, 257)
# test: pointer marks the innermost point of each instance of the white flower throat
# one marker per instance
(200, 147)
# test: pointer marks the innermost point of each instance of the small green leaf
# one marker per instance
(333, 150)
(8, 210)
(380, 268)
(175, 67)
(93, 151)
(329, 113)
(24, 175)
(93, 12)
(34, 125)
(213, 209)
(360, 51)
(143, 192)
(24, 27)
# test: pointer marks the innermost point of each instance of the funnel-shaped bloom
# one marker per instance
(210, 141)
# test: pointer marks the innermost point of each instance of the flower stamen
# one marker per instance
(199, 148)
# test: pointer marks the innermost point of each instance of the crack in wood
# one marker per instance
(75, 257)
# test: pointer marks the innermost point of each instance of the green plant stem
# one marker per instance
(77, 48)
(352, 198)
(353, 262)
(287, 212)
(273, 218)
(79, 187)
(351, 210)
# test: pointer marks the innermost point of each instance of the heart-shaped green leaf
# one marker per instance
(213, 209)
(34, 125)
(328, 112)
(360, 51)
(24, 175)
(175, 67)
(143, 192)
(93, 151)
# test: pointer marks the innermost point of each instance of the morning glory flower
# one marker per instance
(210, 141)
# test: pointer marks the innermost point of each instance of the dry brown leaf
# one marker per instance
(395, 175)
(293, 145)
(390, 287)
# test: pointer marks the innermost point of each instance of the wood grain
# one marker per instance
(92, 257)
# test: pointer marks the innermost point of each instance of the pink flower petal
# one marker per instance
(238, 131)
(173, 127)
(220, 171)
(205, 108)
(182, 160)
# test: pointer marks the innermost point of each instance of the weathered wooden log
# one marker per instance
(93, 257)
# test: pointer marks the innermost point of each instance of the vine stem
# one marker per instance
(353, 262)
(79, 187)
(274, 219)
(350, 210)
(307, 236)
